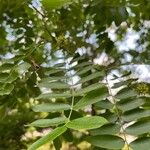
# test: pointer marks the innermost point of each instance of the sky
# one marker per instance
(128, 42)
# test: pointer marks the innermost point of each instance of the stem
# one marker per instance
(72, 103)
(45, 23)
(72, 92)
(72, 100)
(118, 114)
(46, 28)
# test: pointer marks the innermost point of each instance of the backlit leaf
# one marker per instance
(49, 137)
(88, 89)
(53, 95)
(91, 76)
(86, 123)
(51, 107)
(92, 97)
(48, 122)
(54, 85)
(53, 4)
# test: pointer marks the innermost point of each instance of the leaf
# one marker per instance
(123, 83)
(53, 71)
(88, 89)
(51, 107)
(83, 64)
(106, 141)
(53, 4)
(91, 76)
(60, 64)
(68, 135)
(129, 104)
(53, 78)
(105, 104)
(12, 77)
(92, 97)
(139, 128)
(23, 67)
(48, 122)
(86, 123)
(8, 78)
(110, 129)
(74, 114)
(6, 89)
(79, 58)
(141, 144)
(111, 117)
(3, 77)
(84, 70)
(119, 84)
(49, 137)
(125, 93)
(135, 114)
(6, 67)
(54, 85)
(53, 95)
(57, 143)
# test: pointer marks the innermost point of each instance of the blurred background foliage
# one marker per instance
(36, 35)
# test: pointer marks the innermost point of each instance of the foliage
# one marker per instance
(50, 79)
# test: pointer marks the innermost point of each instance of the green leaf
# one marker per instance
(135, 114)
(123, 83)
(110, 129)
(53, 4)
(49, 137)
(91, 77)
(12, 77)
(106, 141)
(68, 135)
(53, 95)
(6, 67)
(139, 128)
(6, 89)
(86, 123)
(79, 58)
(23, 67)
(104, 104)
(83, 64)
(48, 122)
(125, 93)
(111, 117)
(53, 71)
(57, 143)
(129, 104)
(53, 78)
(92, 97)
(54, 85)
(3, 77)
(8, 78)
(59, 65)
(51, 107)
(140, 144)
(88, 89)
(84, 70)
(119, 84)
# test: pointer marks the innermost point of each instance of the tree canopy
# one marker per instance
(75, 72)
